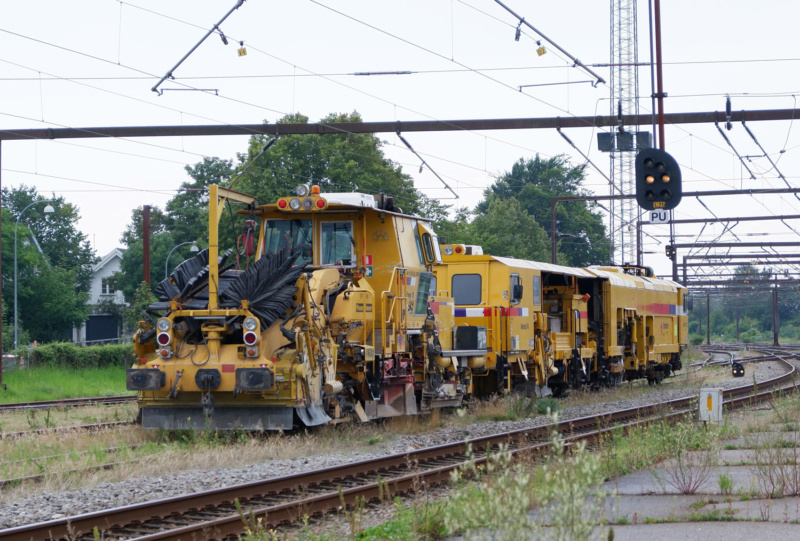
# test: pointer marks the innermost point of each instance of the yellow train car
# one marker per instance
(645, 321)
(548, 327)
(342, 307)
(331, 319)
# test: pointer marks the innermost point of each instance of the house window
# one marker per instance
(106, 288)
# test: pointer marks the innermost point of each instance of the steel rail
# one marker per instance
(69, 402)
(39, 431)
(372, 478)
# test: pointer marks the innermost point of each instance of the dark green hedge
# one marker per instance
(68, 355)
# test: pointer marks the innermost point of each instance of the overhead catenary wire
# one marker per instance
(722, 133)
(774, 166)
(169, 73)
(444, 57)
(403, 139)
(328, 78)
(575, 61)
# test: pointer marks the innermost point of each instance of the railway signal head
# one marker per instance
(658, 180)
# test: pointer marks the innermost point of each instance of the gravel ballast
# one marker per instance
(47, 506)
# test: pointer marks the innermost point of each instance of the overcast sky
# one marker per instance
(91, 63)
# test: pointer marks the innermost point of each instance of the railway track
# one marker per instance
(214, 514)
(88, 427)
(68, 403)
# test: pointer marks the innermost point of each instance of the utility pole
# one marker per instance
(708, 318)
(775, 321)
(146, 242)
(2, 350)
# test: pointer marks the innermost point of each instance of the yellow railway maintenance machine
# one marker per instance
(330, 320)
(542, 328)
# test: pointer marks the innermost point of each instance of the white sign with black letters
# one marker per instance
(658, 216)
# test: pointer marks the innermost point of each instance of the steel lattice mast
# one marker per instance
(624, 86)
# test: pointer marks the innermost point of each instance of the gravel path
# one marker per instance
(46, 506)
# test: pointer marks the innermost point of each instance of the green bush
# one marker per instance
(68, 355)
(696, 340)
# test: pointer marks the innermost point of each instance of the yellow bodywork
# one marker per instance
(357, 338)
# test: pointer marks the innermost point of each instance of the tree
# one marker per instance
(457, 230)
(50, 305)
(533, 183)
(132, 264)
(344, 162)
(506, 229)
(142, 298)
(52, 298)
(187, 212)
(57, 234)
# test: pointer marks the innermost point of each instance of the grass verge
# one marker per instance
(38, 384)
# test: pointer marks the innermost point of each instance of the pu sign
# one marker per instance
(658, 216)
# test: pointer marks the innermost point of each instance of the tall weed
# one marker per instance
(504, 491)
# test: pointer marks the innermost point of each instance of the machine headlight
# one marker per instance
(250, 323)
(448, 250)
(163, 324)
(302, 190)
(294, 203)
(308, 203)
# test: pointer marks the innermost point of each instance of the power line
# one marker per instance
(326, 77)
(123, 188)
(430, 51)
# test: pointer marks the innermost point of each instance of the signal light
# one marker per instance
(250, 338)
(282, 204)
(658, 180)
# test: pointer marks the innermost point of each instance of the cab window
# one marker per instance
(467, 289)
(515, 293)
(423, 291)
(336, 243)
(427, 244)
(537, 290)
(295, 236)
(430, 244)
